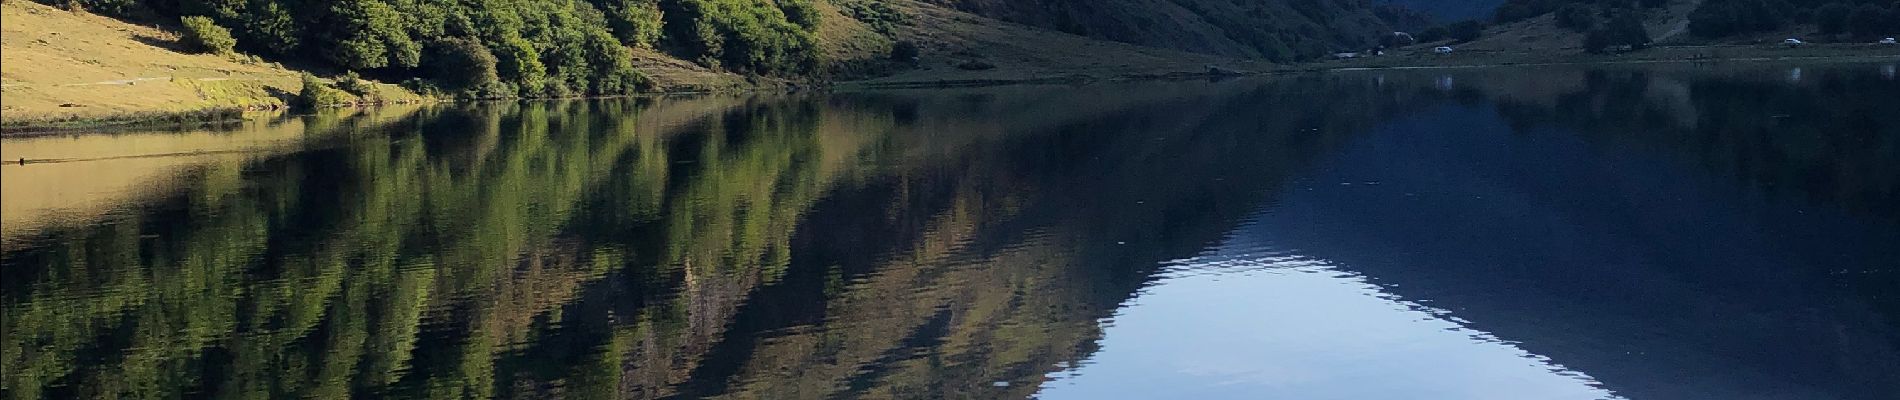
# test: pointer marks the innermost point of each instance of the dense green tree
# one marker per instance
(464, 65)
(207, 36)
(742, 35)
(534, 47)
(270, 28)
(801, 12)
(316, 93)
(365, 34)
(636, 23)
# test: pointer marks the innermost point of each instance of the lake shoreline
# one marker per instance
(1418, 58)
(188, 119)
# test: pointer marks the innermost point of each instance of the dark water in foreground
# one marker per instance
(1660, 232)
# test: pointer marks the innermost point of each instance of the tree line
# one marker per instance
(496, 48)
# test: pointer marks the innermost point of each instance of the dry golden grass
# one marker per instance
(62, 65)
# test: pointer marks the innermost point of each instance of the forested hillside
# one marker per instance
(496, 48)
(555, 48)
(1280, 30)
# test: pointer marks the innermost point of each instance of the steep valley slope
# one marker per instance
(1279, 30)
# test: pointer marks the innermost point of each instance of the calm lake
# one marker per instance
(1667, 231)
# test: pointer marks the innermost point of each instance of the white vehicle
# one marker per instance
(1442, 50)
(1792, 42)
(1888, 41)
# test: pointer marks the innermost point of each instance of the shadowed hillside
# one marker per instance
(1279, 30)
(1450, 10)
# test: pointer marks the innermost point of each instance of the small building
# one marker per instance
(1442, 50)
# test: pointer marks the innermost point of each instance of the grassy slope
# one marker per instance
(109, 68)
(106, 67)
(61, 65)
(64, 66)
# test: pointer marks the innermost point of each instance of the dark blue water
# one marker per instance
(1641, 232)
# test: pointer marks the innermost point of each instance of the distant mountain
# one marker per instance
(1447, 11)
(1280, 30)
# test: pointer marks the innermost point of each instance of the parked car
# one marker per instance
(1888, 41)
(1442, 50)
(1792, 42)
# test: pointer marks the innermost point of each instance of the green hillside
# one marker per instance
(555, 48)
(496, 48)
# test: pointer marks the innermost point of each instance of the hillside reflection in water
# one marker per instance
(1561, 232)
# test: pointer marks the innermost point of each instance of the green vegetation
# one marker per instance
(636, 23)
(877, 13)
(317, 93)
(742, 35)
(464, 65)
(202, 33)
(553, 48)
